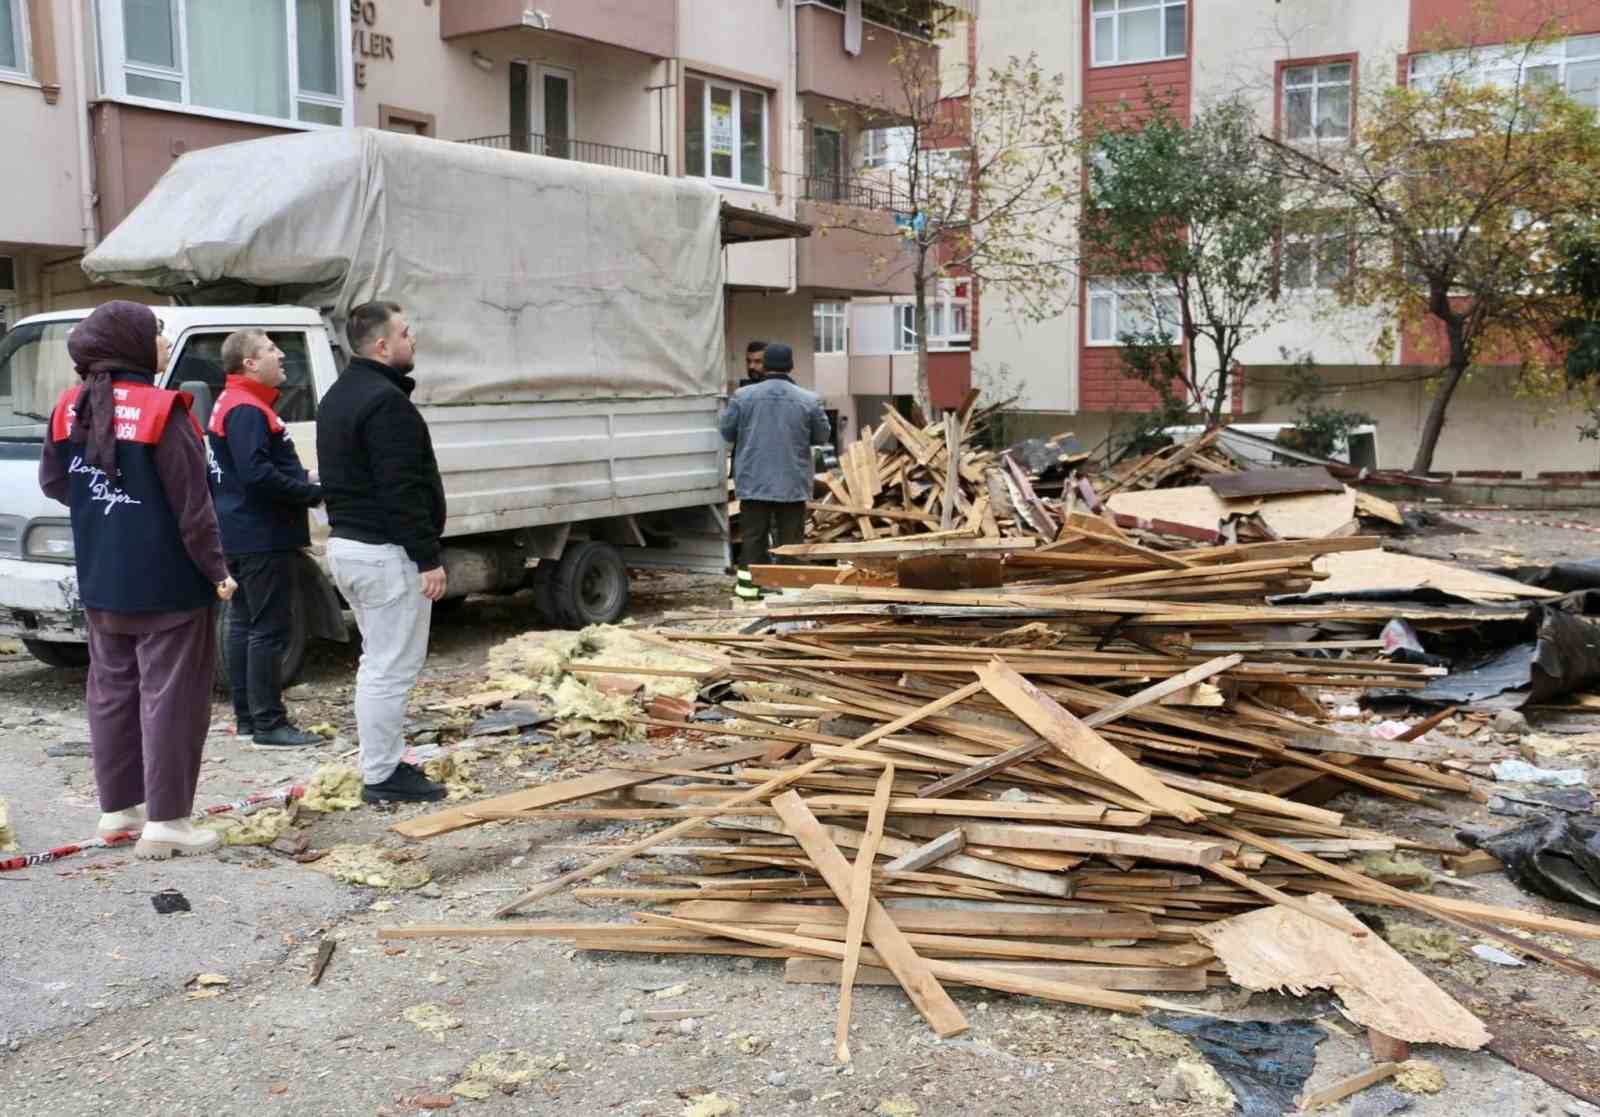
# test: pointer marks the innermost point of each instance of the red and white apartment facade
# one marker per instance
(1303, 63)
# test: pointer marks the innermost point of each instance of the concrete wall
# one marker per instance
(434, 76)
(41, 190)
(1487, 426)
(1042, 356)
(755, 315)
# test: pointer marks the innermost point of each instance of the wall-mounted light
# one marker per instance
(482, 61)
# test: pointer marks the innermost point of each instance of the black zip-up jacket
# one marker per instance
(375, 461)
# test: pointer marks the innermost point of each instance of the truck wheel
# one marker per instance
(294, 648)
(53, 654)
(590, 585)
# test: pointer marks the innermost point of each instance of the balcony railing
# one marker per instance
(583, 151)
(844, 190)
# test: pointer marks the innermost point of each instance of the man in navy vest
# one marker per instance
(261, 492)
(128, 459)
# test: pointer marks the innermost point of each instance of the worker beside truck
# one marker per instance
(261, 493)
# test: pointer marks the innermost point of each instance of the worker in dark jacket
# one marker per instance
(773, 425)
(128, 459)
(386, 513)
(261, 493)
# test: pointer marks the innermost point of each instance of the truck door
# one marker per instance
(305, 350)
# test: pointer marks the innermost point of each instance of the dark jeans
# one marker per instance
(258, 630)
(759, 519)
(149, 702)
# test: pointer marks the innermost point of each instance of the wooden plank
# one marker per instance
(794, 577)
(966, 973)
(887, 939)
(1472, 864)
(611, 860)
(1069, 839)
(860, 894)
(968, 946)
(1326, 1096)
(930, 852)
(879, 513)
(1080, 743)
(895, 548)
(1065, 924)
(564, 791)
(1173, 979)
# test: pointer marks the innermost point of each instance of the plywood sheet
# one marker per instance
(1309, 516)
(1364, 571)
(1274, 482)
(1279, 948)
(1195, 505)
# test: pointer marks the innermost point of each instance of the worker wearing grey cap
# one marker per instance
(773, 426)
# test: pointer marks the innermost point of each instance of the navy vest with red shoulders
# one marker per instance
(130, 553)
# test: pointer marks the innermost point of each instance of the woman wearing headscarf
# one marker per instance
(129, 460)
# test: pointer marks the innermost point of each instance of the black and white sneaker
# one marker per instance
(406, 784)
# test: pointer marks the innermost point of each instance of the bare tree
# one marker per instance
(979, 176)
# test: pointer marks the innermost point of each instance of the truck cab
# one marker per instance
(39, 601)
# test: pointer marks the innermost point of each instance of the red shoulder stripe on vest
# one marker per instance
(231, 399)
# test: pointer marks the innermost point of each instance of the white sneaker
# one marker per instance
(117, 822)
(162, 840)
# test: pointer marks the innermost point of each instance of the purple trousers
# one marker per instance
(150, 679)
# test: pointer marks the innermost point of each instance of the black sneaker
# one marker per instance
(244, 728)
(406, 784)
(285, 736)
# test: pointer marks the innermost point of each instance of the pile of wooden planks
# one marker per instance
(902, 478)
(1068, 786)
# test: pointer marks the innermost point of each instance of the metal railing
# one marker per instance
(582, 151)
(843, 190)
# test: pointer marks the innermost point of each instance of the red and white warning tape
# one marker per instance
(264, 798)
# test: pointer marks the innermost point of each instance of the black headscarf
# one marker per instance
(118, 338)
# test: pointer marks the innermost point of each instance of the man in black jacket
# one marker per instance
(386, 510)
(261, 493)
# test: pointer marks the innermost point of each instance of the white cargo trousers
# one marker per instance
(381, 584)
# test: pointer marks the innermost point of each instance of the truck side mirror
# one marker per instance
(203, 401)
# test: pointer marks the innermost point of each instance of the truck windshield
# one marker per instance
(34, 371)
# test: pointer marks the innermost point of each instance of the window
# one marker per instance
(14, 57)
(885, 147)
(1316, 101)
(905, 334)
(950, 316)
(1139, 30)
(1120, 309)
(725, 132)
(829, 333)
(1315, 263)
(1572, 63)
(201, 359)
(34, 370)
(278, 59)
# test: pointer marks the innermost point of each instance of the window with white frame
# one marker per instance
(1316, 101)
(1314, 262)
(1571, 63)
(1139, 30)
(885, 147)
(950, 315)
(271, 59)
(905, 333)
(725, 132)
(14, 54)
(1124, 308)
(829, 333)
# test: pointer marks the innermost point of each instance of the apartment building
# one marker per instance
(765, 99)
(1303, 64)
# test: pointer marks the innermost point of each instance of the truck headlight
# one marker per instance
(48, 541)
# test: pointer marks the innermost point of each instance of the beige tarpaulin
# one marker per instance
(526, 278)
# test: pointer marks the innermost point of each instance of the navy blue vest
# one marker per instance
(130, 554)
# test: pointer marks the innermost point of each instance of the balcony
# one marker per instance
(874, 77)
(853, 250)
(582, 151)
(646, 26)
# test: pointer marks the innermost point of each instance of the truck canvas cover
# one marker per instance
(526, 278)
